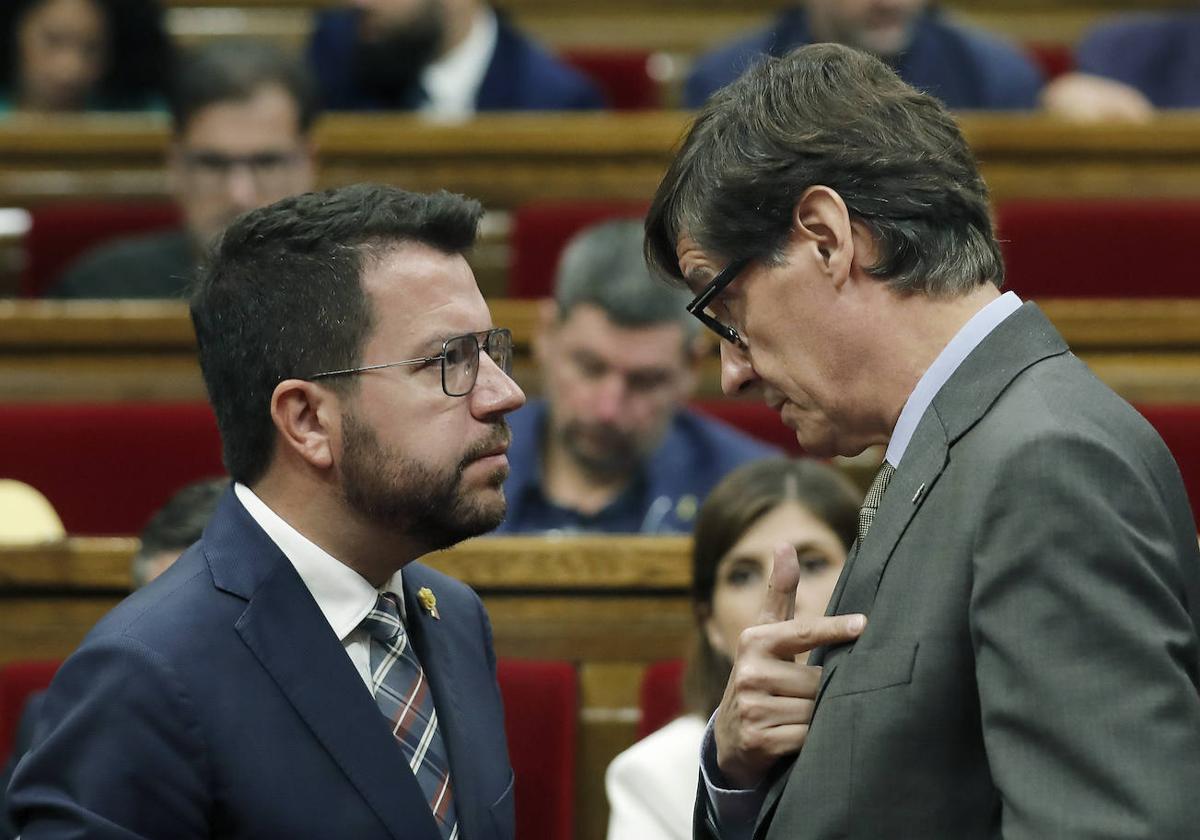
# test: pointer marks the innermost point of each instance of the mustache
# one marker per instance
(501, 436)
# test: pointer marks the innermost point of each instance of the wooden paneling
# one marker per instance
(507, 160)
(1148, 351)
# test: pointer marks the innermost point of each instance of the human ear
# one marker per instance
(307, 418)
(542, 341)
(821, 222)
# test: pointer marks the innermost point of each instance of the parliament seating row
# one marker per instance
(541, 713)
(107, 467)
(1117, 248)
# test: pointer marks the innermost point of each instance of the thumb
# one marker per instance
(780, 603)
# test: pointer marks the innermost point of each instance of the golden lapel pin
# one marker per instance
(428, 601)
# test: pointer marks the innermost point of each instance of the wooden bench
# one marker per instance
(1147, 350)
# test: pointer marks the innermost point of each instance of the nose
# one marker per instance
(738, 375)
(495, 393)
(241, 187)
(609, 397)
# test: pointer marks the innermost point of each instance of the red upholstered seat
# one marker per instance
(1179, 427)
(107, 467)
(623, 76)
(753, 417)
(1115, 249)
(540, 232)
(1053, 59)
(661, 695)
(17, 681)
(541, 710)
(61, 233)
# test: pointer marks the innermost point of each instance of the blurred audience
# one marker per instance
(1130, 67)
(759, 507)
(612, 448)
(242, 115)
(75, 55)
(964, 67)
(443, 58)
(174, 527)
(26, 516)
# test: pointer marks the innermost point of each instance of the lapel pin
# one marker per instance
(428, 601)
(917, 495)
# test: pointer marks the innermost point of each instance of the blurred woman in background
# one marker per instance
(652, 785)
(76, 55)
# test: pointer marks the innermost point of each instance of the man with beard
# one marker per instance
(964, 67)
(297, 673)
(443, 58)
(241, 114)
(612, 449)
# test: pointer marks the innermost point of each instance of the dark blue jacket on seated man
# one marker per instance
(1159, 55)
(516, 75)
(695, 454)
(962, 66)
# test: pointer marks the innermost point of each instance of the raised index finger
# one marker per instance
(780, 603)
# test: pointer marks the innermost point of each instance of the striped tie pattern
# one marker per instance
(866, 514)
(402, 693)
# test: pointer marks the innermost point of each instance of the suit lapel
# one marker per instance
(434, 640)
(288, 634)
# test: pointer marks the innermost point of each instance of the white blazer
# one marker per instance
(652, 785)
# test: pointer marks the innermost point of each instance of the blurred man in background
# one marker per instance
(612, 448)
(443, 58)
(962, 66)
(242, 114)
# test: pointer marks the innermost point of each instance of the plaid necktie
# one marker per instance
(866, 514)
(402, 693)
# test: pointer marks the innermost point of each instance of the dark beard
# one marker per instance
(389, 67)
(413, 499)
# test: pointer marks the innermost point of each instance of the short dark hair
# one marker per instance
(282, 297)
(603, 265)
(742, 498)
(177, 524)
(139, 52)
(829, 115)
(234, 70)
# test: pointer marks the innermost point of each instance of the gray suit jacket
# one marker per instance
(1030, 666)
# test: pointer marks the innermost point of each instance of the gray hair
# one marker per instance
(603, 265)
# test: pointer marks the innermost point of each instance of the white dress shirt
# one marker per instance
(453, 81)
(737, 810)
(342, 594)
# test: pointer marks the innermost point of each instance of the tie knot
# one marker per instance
(383, 621)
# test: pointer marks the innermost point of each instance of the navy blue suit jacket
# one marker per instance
(1157, 54)
(963, 67)
(522, 76)
(218, 702)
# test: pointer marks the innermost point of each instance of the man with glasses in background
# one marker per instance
(242, 113)
(298, 673)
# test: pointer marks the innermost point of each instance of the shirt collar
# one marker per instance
(342, 594)
(453, 81)
(953, 354)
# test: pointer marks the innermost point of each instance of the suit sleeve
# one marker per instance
(119, 755)
(1085, 649)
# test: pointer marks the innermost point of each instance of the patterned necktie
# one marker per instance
(866, 514)
(402, 693)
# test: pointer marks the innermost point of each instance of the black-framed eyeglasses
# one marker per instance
(700, 303)
(459, 358)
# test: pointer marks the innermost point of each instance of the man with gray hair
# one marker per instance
(1011, 650)
(611, 448)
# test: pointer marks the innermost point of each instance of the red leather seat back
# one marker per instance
(60, 233)
(754, 418)
(541, 231)
(541, 710)
(623, 76)
(1100, 249)
(107, 467)
(661, 695)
